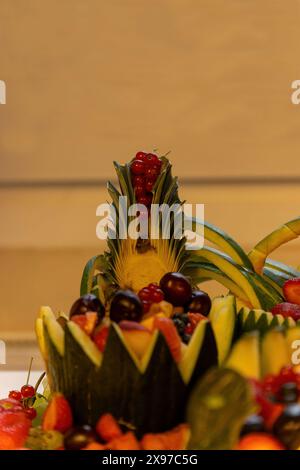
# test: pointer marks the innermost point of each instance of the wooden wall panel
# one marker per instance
(92, 81)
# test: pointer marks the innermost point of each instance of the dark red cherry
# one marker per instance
(176, 288)
(199, 303)
(87, 303)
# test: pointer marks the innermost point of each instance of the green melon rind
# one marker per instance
(85, 343)
(251, 319)
(55, 363)
(205, 354)
(282, 268)
(240, 276)
(223, 317)
(223, 241)
(203, 272)
(151, 398)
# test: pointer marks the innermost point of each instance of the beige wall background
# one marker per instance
(92, 81)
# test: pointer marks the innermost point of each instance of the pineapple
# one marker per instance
(133, 264)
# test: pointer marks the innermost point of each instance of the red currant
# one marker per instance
(149, 185)
(287, 374)
(157, 296)
(152, 172)
(137, 167)
(270, 384)
(153, 286)
(27, 391)
(145, 294)
(30, 413)
(138, 181)
(189, 329)
(140, 155)
(297, 381)
(153, 159)
(146, 305)
(15, 394)
(139, 191)
(146, 200)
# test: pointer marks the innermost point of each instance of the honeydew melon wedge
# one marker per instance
(245, 356)
(39, 331)
(285, 233)
(85, 342)
(292, 335)
(200, 354)
(223, 317)
(274, 352)
(56, 334)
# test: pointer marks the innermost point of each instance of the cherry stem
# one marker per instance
(29, 370)
(39, 381)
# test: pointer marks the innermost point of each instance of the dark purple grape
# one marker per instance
(287, 426)
(87, 303)
(288, 393)
(126, 305)
(79, 437)
(199, 303)
(176, 288)
(254, 423)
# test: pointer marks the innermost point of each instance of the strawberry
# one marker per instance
(86, 322)
(58, 415)
(291, 291)
(10, 404)
(193, 320)
(107, 428)
(287, 309)
(100, 337)
(14, 428)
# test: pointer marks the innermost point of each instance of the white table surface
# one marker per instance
(13, 380)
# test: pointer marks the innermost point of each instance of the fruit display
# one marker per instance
(146, 359)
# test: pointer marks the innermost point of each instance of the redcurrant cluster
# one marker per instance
(273, 383)
(152, 294)
(145, 168)
(23, 396)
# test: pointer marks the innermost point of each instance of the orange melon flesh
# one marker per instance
(175, 439)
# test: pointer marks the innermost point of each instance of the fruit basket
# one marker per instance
(145, 359)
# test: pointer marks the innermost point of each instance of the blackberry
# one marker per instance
(186, 338)
(181, 320)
